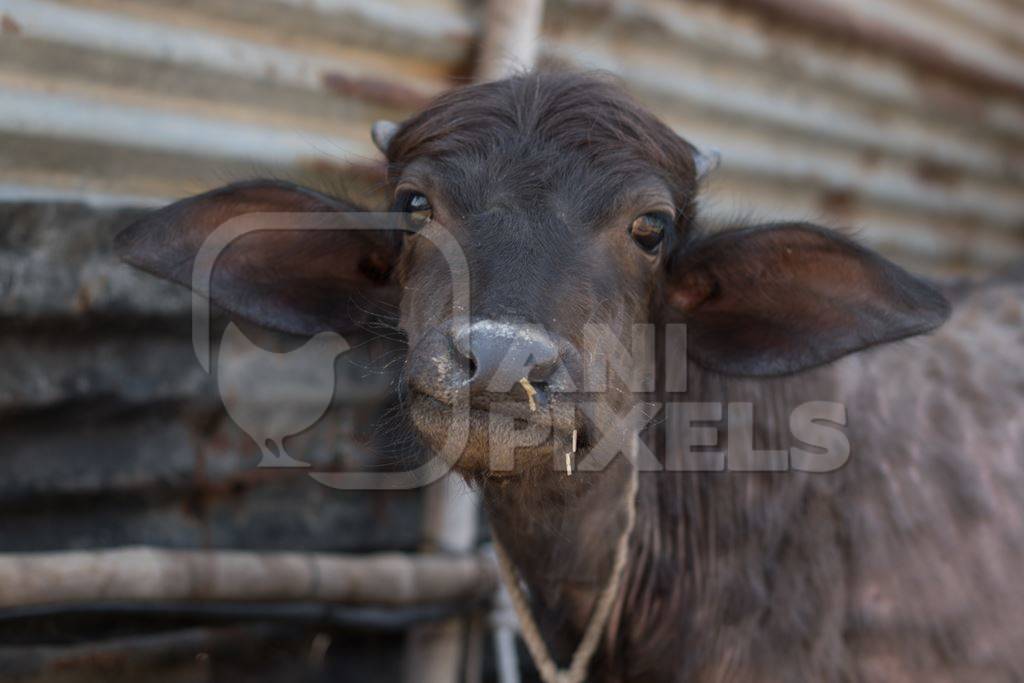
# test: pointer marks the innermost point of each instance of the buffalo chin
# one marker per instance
(477, 445)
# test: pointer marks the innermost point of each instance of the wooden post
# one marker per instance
(436, 652)
(504, 626)
(161, 574)
(511, 38)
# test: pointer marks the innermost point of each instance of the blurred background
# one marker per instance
(901, 118)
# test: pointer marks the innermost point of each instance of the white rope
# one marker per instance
(577, 671)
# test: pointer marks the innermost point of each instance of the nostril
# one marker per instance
(540, 373)
(542, 366)
(542, 394)
(497, 355)
(461, 341)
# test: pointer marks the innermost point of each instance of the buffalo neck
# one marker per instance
(561, 531)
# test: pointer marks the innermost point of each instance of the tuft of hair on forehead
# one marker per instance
(585, 112)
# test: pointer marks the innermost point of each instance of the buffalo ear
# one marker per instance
(289, 278)
(780, 298)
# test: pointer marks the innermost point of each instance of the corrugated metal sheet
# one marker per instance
(153, 99)
(846, 111)
(111, 435)
(904, 118)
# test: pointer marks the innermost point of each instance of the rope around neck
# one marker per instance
(577, 671)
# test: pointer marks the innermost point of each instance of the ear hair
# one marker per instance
(706, 161)
(382, 132)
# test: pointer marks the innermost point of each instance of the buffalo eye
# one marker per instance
(417, 207)
(648, 230)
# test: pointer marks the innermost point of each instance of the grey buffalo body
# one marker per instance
(904, 565)
(572, 206)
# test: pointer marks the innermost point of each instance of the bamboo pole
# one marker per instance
(511, 38)
(436, 652)
(145, 573)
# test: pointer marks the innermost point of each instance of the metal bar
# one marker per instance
(145, 573)
(120, 657)
(320, 615)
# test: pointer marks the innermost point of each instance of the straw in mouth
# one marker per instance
(569, 454)
(530, 393)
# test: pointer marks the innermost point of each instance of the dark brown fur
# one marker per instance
(902, 565)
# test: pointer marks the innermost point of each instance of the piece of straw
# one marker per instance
(568, 455)
(530, 393)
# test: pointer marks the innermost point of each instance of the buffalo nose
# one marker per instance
(500, 354)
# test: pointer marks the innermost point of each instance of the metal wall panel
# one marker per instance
(112, 98)
(848, 112)
(902, 118)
